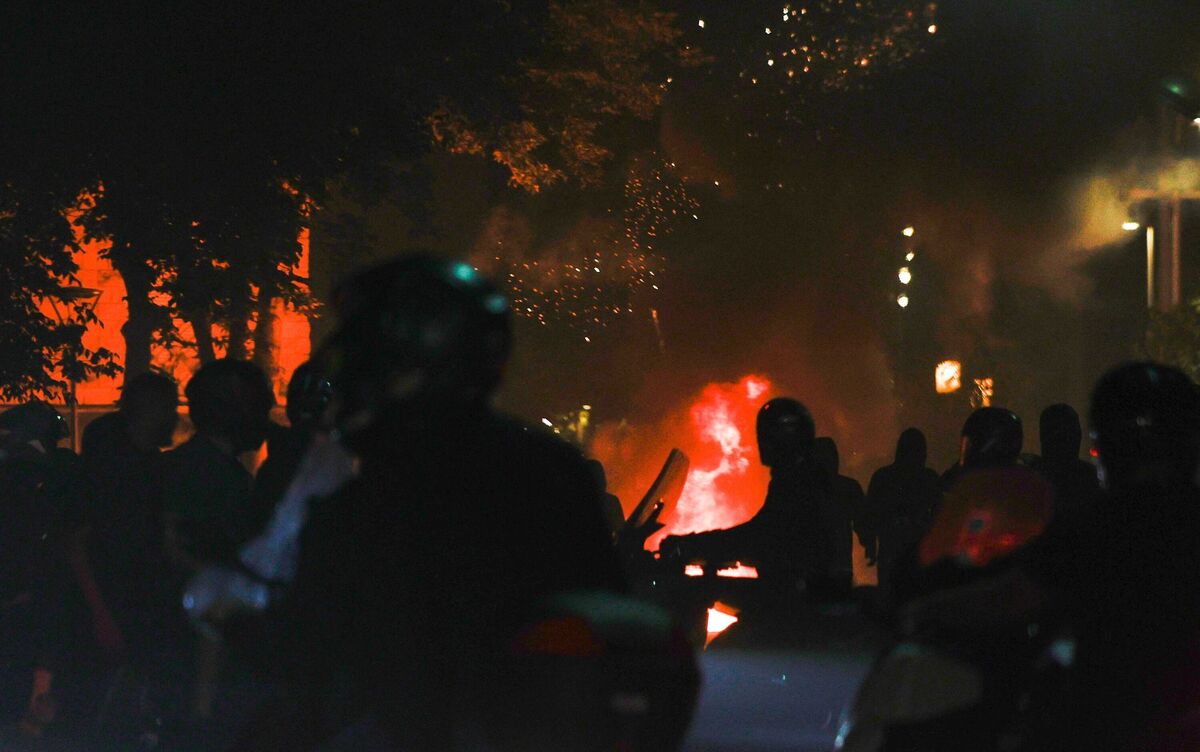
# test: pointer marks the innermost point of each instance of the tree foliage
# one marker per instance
(1173, 337)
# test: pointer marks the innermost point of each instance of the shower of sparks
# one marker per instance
(608, 268)
(585, 292)
(835, 45)
(656, 199)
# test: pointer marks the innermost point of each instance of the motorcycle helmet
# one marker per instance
(416, 333)
(991, 436)
(785, 432)
(1145, 420)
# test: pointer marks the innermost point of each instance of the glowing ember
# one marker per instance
(720, 618)
(739, 570)
(948, 377)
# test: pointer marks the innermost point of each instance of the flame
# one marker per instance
(720, 488)
(693, 570)
(725, 486)
(720, 618)
(739, 570)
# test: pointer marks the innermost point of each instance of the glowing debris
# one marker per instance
(947, 377)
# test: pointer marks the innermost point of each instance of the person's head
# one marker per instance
(825, 455)
(417, 335)
(150, 405)
(1145, 420)
(599, 477)
(991, 436)
(308, 395)
(785, 432)
(1060, 432)
(911, 449)
(231, 400)
(35, 423)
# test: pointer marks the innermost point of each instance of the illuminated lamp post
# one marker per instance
(70, 295)
(1180, 97)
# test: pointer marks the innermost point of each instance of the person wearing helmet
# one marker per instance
(991, 507)
(414, 575)
(1127, 569)
(789, 539)
(308, 396)
(991, 437)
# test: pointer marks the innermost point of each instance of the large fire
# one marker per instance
(726, 484)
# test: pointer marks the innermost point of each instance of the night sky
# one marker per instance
(986, 142)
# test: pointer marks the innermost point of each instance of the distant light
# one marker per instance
(700, 23)
(464, 272)
(587, 339)
(1196, 122)
(932, 28)
(1130, 226)
(767, 30)
(909, 256)
(693, 570)
(587, 407)
(947, 377)
(902, 301)
(717, 183)
(909, 231)
(905, 275)
(547, 423)
(770, 63)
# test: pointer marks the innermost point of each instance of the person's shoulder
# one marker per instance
(522, 438)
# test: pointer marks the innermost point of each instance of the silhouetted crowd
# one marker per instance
(409, 569)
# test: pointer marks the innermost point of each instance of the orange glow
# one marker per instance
(720, 486)
(693, 570)
(948, 377)
(720, 618)
(739, 570)
(726, 484)
(290, 328)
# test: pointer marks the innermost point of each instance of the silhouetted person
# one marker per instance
(790, 538)
(416, 575)
(1128, 570)
(847, 505)
(308, 396)
(901, 499)
(208, 510)
(123, 537)
(1075, 482)
(614, 515)
(41, 494)
(990, 507)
